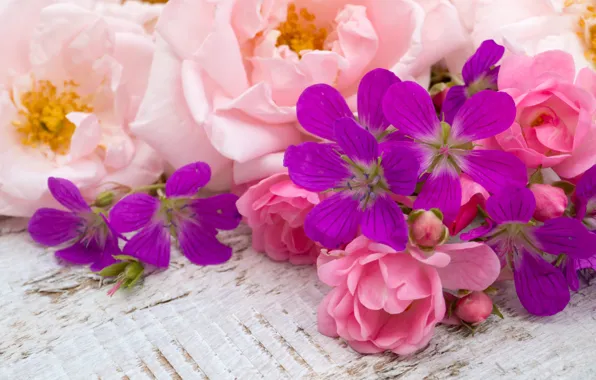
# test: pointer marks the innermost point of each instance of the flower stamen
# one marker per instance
(299, 32)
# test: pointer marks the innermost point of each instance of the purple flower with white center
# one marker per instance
(446, 150)
(363, 177)
(192, 221)
(541, 287)
(479, 73)
(90, 237)
(320, 105)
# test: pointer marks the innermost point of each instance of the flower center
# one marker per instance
(587, 32)
(366, 183)
(478, 85)
(299, 32)
(44, 110)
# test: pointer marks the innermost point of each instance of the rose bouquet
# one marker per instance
(413, 152)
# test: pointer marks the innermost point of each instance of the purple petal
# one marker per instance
(52, 227)
(566, 236)
(356, 142)
(400, 168)
(441, 190)
(315, 166)
(494, 170)
(410, 109)
(318, 107)
(106, 257)
(541, 288)
(80, 253)
(188, 179)
(487, 55)
(512, 204)
(384, 222)
(334, 221)
(200, 245)
(133, 212)
(484, 115)
(589, 263)
(151, 245)
(456, 97)
(570, 271)
(585, 190)
(371, 91)
(478, 232)
(67, 194)
(218, 211)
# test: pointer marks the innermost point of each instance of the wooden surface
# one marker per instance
(248, 319)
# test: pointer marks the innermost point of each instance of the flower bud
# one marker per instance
(551, 201)
(427, 229)
(474, 308)
(104, 199)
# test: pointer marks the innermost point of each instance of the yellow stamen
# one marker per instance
(43, 115)
(586, 28)
(299, 32)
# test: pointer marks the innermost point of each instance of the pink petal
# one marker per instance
(473, 266)
(86, 136)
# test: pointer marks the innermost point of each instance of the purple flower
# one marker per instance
(363, 177)
(90, 237)
(320, 105)
(584, 193)
(446, 150)
(542, 287)
(193, 221)
(479, 73)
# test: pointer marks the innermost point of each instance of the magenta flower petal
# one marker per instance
(218, 211)
(80, 253)
(318, 107)
(441, 190)
(487, 55)
(480, 231)
(494, 170)
(315, 167)
(570, 271)
(371, 91)
(334, 221)
(512, 204)
(188, 179)
(67, 194)
(356, 142)
(455, 99)
(52, 227)
(384, 222)
(541, 288)
(585, 190)
(106, 257)
(133, 212)
(200, 244)
(151, 245)
(409, 108)
(566, 236)
(484, 115)
(400, 169)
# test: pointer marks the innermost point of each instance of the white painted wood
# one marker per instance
(248, 319)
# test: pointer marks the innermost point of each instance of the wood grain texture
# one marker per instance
(248, 319)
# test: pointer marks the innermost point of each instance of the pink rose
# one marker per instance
(275, 209)
(144, 13)
(551, 201)
(227, 75)
(554, 126)
(385, 300)
(473, 196)
(70, 82)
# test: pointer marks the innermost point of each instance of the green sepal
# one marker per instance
(113, 270)
(437, 213)
(567, 187)
(104, 199)
(537, 177)
(497, 312)
(125, 258)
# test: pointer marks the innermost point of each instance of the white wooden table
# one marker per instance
(248, 319)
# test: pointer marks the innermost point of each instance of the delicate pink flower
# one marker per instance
(426, 229)
(70, 82)
(474, 308)
(275, 209)
(385, 300)
(551, 201)
(144, 13)
(554, 126)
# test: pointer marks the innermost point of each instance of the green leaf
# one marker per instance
(113, 270)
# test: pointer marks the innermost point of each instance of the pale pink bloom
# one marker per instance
(142, 13)
(386, 300)
(227, 75)
(275, 210)
(474, 308)
(554, 126)
(551, 201)
(70, 82)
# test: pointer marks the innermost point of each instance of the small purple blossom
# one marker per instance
(192, 221)
(362, 176)
(479, 73)
(91, 238)
(446, 150)
(541, 286)
(585, 194)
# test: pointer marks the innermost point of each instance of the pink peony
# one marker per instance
(70, 82)
(275, 209)
(551, 201)
(554, 126)
(385, 300)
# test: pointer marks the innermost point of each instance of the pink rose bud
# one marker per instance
(551, 201)
(474, 308)
(427, 229)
